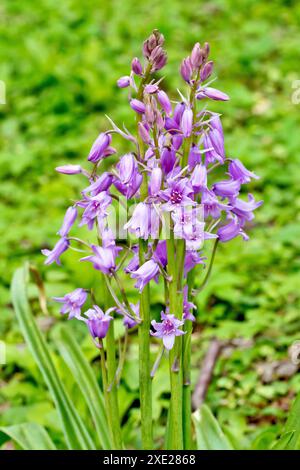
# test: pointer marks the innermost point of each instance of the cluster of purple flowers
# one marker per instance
(174, 156)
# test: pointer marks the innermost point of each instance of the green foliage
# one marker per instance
(29, 436)
(75, 432)
(60, 64)
(209, 434)
(85, 377)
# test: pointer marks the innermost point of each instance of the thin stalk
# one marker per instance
(144, 363)
(144, 327)
(106, 397)
(157, 361)
(175, 411)
(111, 365)
(186, 361)
(205, 280)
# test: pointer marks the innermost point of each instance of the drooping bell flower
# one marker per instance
(98, 148)
(167, 159)
(212, 93)
(240, 173)
(103, 259)
(68, 221)
(199, 178)
(69, 169)
(145, 273)
(192, 259)
(167, 329)
(177, 194)
(160, 254)
(194, 156)
(214, 147)
(54, 255)
(227, 188)
(102, 183)
(98, 323)
(212, 205)
(95, 208)
(139, 224)
(129, 179)
(244, 209)
(72, 302)
(231, 230)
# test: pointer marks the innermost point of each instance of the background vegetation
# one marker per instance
(60, 62)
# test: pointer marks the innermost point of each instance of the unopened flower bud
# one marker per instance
(151, 88)
(164, 102)
(158, 58)
(187, 122)
(205, 51)
(196, 56)
(155, 39)
(144, 133)
(138, 106)
(186, 69)
(69, 169)
(136, 66)
(123, 82)
(206, 71)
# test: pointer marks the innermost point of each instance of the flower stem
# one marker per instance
(111, 365)
(144, 327)
(106, 397)
(176, 438)
(144, 363)
(186, 366)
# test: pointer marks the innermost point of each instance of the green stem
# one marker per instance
(144, 363)
(186, 361)
(176, 438)
(206, 278)
(144, 327)
(112, 391)
(106, 397)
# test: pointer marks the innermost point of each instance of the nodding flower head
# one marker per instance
(167, 329)
(72, 302)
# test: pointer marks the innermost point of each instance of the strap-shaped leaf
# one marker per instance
(293, 425)
(284, 441)
(87, 382)
(76, 434)
(29, 436)
(209, 434)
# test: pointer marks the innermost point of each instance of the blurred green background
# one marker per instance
(60, 62)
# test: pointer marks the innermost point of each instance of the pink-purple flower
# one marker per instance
(167, 329)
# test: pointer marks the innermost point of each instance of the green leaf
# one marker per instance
(293, 425)
(209, 435)
(76, 434)
(86, 380)
(284, 441)
(29, 436)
